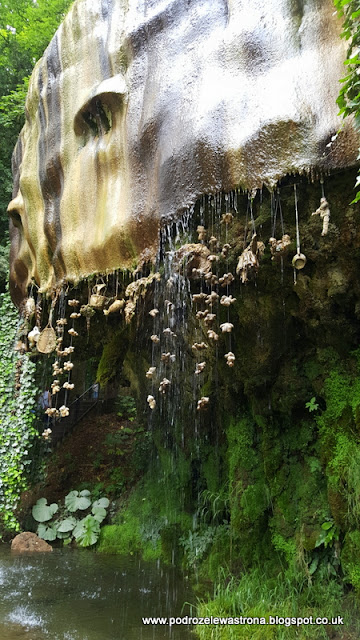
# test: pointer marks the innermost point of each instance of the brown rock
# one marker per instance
(27, 542)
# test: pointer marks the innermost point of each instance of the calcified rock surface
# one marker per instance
(139, 107)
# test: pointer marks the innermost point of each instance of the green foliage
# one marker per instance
(261, 593)
(26, 28)
(312, 405)
(329, 534)
(349, 96)
(42, 512)
(76, 500)
(126, 407)
(18, 434)
(66, 526)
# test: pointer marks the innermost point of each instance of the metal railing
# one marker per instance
(82, 404)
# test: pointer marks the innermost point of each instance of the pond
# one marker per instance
(80, 595)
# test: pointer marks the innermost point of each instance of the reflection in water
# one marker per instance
(81, 595)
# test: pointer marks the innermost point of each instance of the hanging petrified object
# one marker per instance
(209, 319)
(201, 231)
(227, 218)
(213, 243)
(30, 307)
(167, 358)
(211, 278)
(68, 366)
(130, 308)
(150, 373)
(68, 385)
(74, 302)
(47, 339)
(226, 301)
(97, 301)
(212, 298)
(200, 315)
(278, 247)
(299, 261)
(164, 385)
(199, 297)
(226, 279)
(226, 327)
(87, 311)
(75, 315)
(151, 401)
(225, 250)
(64, 411)
(200, 367)
(68, 350)
(46, 434)
(155, 339)
(249, 258)
(61, 322)
(72, 332)
(33, 337)
(169, 332)
(324, 212)
(199, 346)
(51, 411)
(55, 388)
(230, 359)
(153, 313)
(115, 307)
(197, 274)
(203, 403)
(212, 335)
(212, 258)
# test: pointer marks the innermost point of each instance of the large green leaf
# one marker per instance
(87, 531)
(99, 513)
(66, 525)
(47, 532)
(75, 501)
(42, 512)
(103, 502)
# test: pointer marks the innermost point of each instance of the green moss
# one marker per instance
(122, 539)
(112, 357)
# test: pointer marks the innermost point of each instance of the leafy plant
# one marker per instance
(18, 433)
(76, 500)
(349, 96)
(312, 405)
(329, 534)
(66, 526)
(42, 512)
(126, 407)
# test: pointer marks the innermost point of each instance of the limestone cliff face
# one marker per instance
(140, 106)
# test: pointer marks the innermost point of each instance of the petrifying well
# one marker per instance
(138, 107)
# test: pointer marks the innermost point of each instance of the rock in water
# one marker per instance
(28, 542)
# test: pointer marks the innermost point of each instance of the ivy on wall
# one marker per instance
(349, 96)
(17, 415)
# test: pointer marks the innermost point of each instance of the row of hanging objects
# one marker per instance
(63, 364)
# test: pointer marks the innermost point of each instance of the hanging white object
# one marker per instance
(299, 260)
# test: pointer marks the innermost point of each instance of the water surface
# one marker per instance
(81, 595)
